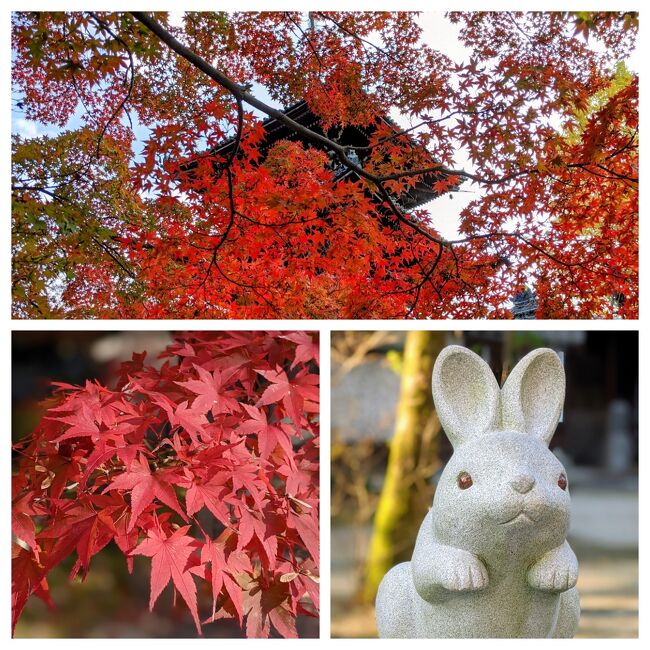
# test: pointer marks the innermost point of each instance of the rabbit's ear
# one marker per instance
(532, 397)
(466, 394)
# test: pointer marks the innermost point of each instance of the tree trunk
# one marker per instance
(412, 460)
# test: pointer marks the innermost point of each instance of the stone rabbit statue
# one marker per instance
(491, 558)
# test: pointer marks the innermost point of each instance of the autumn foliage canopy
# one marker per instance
(539, 123)
(208, 466)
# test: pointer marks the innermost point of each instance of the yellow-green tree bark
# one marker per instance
(412, 459)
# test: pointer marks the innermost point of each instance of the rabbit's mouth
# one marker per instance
(521, 516)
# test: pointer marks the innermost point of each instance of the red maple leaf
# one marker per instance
(291, 393)
(211, 495)
(83, 424)
(268, 435)
(307, 348)
(266, 605)
(27, 578)
(145, 486)
(213, 554)
(22, 524)
(210, 392)
(86, 527)
(442, 185)
(169, 558)
(191, 420)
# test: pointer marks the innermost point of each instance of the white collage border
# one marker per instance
(325, 327)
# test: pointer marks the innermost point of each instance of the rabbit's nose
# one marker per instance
(522, 483)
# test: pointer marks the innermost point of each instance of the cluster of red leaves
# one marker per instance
(574, 201)
(278, 235)
(208, 465)
(288, 228)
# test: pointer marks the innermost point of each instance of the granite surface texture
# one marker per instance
(491, 557)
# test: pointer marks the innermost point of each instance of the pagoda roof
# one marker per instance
(349, 135)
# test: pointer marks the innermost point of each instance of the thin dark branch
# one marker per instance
(419, 125)
(231, 201)
(253, 287)
(103, 245)
(280, 224)
(625, 146)
(518, 28)
(614, 174)
(114, 256)
(306, 37)
(352, 34)
(242, 94)
(130, 73)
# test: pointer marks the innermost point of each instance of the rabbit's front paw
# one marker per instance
(556, 571)
(462, 571)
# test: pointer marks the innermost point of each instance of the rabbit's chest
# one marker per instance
(507, 608)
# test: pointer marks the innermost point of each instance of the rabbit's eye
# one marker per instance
(562, 481)
(464, 481)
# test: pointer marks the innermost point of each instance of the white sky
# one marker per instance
(439, 33)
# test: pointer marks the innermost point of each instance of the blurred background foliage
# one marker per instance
(388, 449)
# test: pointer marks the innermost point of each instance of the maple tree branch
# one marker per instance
(109, 251)
(254, 287)
(242, 94)
(424, 122)
(584, 264)
(307, 39)
(231, 198)
(402, 218)
(356, 36)
(625, 146)
(614, 174)
(280, 224)
(441, 169)
(75, 87)
(213, 261)
(429, 273)
(426, 277)
(226, 232)
(518, 28)
(103, 245)
(130, 72)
